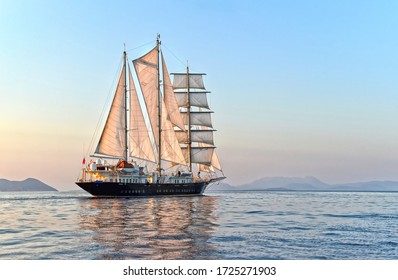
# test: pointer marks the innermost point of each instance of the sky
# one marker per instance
(300, 88)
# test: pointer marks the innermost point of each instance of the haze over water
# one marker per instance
(219, 225)
(299, 87)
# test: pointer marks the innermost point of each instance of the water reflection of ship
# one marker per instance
(151, 228)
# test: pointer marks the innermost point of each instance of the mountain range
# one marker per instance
(308, 184)
(29, 184)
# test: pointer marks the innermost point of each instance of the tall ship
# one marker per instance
(163, 145)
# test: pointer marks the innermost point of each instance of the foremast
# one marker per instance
(189, 142)
(197, 141)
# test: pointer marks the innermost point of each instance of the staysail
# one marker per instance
(147, 68)
(112, 142)
(171, 150)
(140, 143)
(170, 99)
(158, 133)
(181, 115)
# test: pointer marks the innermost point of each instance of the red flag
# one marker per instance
(84, 161)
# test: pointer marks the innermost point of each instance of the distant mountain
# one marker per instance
(368, 186)
(27, 185)
(290, 183)
(308, 184)
(222, 187)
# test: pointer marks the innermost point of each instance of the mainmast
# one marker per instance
(159, 108)
(126, 153)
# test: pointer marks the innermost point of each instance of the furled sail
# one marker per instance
(112, 141)
(146, 68)
(140, 143)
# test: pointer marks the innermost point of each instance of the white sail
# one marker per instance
(182, 136)
(146, 68)
(198, 118)
(112, 141)
(171, 150)
(195, 81)
(202, 136)
(173, 128)
(147, 72)
(140, 143)
(215, 162)
(206, 168)
(199, 136)
(200, 123)
(170, 99)
(198, 99)
(202, 155)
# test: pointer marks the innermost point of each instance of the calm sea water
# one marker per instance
(219, 225)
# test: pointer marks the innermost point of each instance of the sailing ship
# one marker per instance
(166, 146)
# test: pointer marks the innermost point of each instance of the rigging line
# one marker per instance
(174, 55)
(103, 109)
(151, 42)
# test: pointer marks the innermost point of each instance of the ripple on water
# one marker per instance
(222, 225)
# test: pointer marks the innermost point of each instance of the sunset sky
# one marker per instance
(299, 87)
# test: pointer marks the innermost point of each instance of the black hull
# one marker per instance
(114, 189)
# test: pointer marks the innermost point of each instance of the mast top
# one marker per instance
(126, 129)
(158, 42)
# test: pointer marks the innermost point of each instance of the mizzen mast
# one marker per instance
(126, 130)
(159, 108)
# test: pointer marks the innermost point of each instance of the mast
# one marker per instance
(159, 109)
(125, 105)
(196, 142)
(189, 123)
